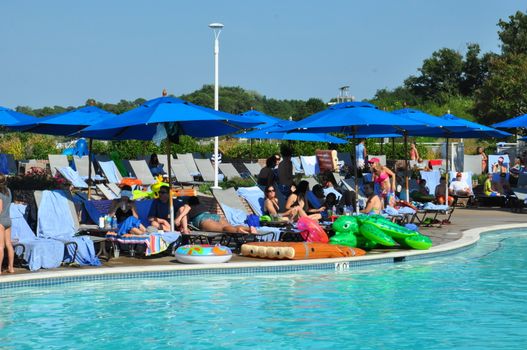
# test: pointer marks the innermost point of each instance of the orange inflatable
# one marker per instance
(311, 230)
(298, 250)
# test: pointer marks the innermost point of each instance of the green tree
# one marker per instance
(513, 34)
(504, 93)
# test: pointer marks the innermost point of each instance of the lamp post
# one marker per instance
(216, 27)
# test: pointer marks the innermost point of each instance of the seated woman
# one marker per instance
(196, 213)
(155, 167)
(271, 206)
(440, 192)
(422, 194)
(298, 200)
(125, 211)
(374, 204)
(488, 187)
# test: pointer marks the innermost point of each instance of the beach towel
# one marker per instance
(329, 190)
(254, 196)
(55, 222)
(234, 216)
(39, 253)
(297, 165)
(155, 242)
(432, 179)
(73, 177)
(432, 206)
(110, 171)
(267, 238)
(310, 165)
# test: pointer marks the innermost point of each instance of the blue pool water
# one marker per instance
(473, 300)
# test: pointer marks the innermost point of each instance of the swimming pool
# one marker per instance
(472, 300)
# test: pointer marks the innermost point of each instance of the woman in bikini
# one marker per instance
(298, 200)
(386, 180)
(271, 206)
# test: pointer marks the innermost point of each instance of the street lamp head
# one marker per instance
(216, 25)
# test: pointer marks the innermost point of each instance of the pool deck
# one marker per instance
(463, 231)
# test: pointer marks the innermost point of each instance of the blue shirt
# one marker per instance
(359, 152)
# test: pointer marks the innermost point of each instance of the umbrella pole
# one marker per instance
(393, 148)
(446, 173)
(170, 201)
(355, 173)
(251, 150)
(382, 145)
(90, 142)
(406, 167)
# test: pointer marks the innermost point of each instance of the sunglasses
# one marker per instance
(270, 191)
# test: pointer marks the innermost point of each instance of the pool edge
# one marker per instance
(468, 239)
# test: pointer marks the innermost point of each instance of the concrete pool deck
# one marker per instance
(462, 232)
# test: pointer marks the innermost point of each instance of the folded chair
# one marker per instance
(56, 213)
(57, 161)
(38, 253)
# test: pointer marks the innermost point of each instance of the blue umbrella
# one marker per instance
(8, 117)
(517, 122)
(180, 117)
(293, 136)
(141, 123)
(66, 123)
(476, 130)
(265, 119)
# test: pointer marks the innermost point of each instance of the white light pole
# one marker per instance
(216, 27)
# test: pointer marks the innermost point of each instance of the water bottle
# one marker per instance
(101, 222)
(107, 222)
(334, 210)
(114, 222)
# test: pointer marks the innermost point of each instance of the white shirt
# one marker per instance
(458, 186)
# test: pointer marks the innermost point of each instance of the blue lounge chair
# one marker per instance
(37, 252)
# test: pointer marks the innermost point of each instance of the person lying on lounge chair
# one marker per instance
(196, 213)
(126, 213)
(459, 186)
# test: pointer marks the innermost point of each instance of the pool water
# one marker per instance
(473, 300)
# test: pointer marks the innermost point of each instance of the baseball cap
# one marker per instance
(374, 160)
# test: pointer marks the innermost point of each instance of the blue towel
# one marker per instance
(55, 221)
(313, 200)
(110, 171)
(432, 206)
(128, 224)
(254, 196)
(4, 165)
(39, 253)
(432, 179)
(73, 177)
(234, 216)
(265, 229)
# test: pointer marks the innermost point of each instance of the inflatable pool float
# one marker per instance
(203, 254)
(298, 250)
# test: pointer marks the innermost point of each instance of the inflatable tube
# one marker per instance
(298, 250)
(371, 232)
(311, 230)
(392, 229)
(203, 254)
(420, 242)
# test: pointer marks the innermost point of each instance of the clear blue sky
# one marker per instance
(64, 52)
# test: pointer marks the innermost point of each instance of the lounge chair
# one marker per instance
(142, 172)
(255, 197)
(81, 165)
(205, 169)
(73, 177)
(106, 191)
(345, 157)
(229, 171)
(38, 253)
(253, 168)
(310, 165)
(182, 175)
(189, 161)
(57, 161)
(236, 213)
(110, 171)
(56, 213)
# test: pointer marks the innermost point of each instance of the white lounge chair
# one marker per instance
(57, 161)
(206, 170)
(189, 161)
(142, 171)
(229, 170)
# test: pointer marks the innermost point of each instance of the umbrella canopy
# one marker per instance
(476, 130)
(293, 136)
(190, 119)
(265, 119)
(374, 136)
(353, 118)
(428, 125)
(66, 123)
(8, 117)
(517, 122)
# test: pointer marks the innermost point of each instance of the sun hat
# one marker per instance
(374, 160)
